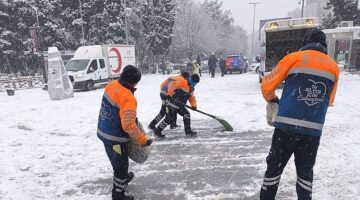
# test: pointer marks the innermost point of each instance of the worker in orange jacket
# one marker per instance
(311, 78)
(164, 89)
(117, 124)
(179, 91)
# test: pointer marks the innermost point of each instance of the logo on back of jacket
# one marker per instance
(314, 94)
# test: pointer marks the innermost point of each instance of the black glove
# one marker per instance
(148, 142)
(194, 108)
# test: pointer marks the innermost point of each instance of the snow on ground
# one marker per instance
(49, 149)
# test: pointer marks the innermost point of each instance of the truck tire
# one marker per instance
(89, 85)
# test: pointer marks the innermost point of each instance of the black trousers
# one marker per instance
(162, 112)
(212, 70)
(283, 145)
(222, 71)
(120, 165)
(173, 110)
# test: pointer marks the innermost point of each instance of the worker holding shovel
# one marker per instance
(180, 91)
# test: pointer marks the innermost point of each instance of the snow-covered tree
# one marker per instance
(51, 25)
(16, 18)
(191, 28)
(205, 28)
(6, 38)
(343, 10)
(158, 21)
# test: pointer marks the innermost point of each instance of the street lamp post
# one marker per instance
(253, 29)
(82, 24)
(302, 8)
(37, 16)
(127, 13)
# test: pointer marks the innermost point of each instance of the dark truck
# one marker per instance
(282, 37)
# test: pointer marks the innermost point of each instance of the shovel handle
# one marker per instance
(199, 111)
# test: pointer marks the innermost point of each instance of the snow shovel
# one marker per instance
(222, 121)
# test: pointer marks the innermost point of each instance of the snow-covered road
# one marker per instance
(49, 149)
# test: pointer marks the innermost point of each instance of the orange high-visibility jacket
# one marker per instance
(117, 118)
(164, 86)
(311, 79)
(181, 86)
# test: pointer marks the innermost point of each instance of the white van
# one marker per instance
(98, 64)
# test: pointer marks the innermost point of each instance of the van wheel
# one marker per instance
(89, 85)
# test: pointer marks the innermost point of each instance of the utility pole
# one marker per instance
(302, 8)
(82, 24)
(252, 37)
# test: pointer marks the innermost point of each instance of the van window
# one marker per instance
(77, 65)
(102, 63)
(93, 66)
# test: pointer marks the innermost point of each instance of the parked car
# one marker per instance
(255, 65)
(235, 63)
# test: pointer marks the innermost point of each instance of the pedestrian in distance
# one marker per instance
(212, 65)
(180, 91)
(195, 68)
(198, 60)
(311, 78)
(222, 64)
(164, 93)
(117, 124)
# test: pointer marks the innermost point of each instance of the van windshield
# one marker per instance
(77, 65)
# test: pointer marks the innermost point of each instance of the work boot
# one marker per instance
(129, 177)
(121, 195)
(158, 134)
(152, 127)
(190, 133)
(174, 126)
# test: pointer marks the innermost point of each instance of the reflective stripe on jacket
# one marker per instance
(117, 118)
(310, 85)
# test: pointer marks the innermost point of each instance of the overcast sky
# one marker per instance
(242, 11)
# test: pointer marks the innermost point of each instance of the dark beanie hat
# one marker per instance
(185, 74)
(130, 74)
(316, 36)
(195, 78)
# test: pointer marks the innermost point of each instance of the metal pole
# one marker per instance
(253, 29)
(82, 24)
(40, 46)
(126, 25)
(37, 17)
(302, 8)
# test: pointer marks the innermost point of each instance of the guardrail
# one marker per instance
(25, 82)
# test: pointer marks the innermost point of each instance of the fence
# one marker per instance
(21, 82)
